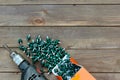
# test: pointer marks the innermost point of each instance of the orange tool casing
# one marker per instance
(82, 74)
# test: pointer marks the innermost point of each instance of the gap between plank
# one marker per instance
(46, 72)
(59, 4)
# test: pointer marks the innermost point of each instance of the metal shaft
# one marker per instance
(7, 48)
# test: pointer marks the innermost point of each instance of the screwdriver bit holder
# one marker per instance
(52, 56)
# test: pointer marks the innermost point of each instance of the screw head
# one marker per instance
(28, 37)
(20, 41)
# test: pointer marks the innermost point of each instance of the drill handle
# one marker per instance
(29, 72)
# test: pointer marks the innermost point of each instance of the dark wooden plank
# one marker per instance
(60, 15)
(98, 76)
(7, 2)
(17, 76)
(10, 76)
(92, 60)
(98, 60)
(71, 37)
(107, 76)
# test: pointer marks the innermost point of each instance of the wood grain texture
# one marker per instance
(60, 15)
(17, 76)
(96, 48)
(71, 37)
(92, 60)
(98, 76)
(8, 2)
(10, 76)
(106, 76)
(98, 60)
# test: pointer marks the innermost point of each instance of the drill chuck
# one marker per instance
(16, 58)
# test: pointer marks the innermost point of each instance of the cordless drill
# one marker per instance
(28, 71)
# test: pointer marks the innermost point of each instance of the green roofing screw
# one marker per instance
(35, 45)
(30, 45)
(38, 39)
(48, 40)
(48, 50)
(42, 62)
(70, 73)
(55, 70)
(67, 60)
(20, 41)
(56, 42)
(64, 77)
(62, 67)
(51, 46)
(58, 55)
(34, 50)
(60, 73)
(28, 54)
(35, 59)
(50, 68)
(33, 41)
(42, 43)
(23, 48)
(46, 65)
(28, 37)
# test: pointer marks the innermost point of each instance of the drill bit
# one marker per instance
(7, 48)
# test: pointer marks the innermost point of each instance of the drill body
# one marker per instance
(28, 71)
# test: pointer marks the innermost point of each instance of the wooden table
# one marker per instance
(88, 29)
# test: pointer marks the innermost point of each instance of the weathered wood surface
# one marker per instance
(60, 15)
(13, 2)
(96, 48)
(92, 60)
(99, 76)
(107, 76)
(71, 37)
(17, 76)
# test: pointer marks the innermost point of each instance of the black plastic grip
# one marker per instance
(29, 72)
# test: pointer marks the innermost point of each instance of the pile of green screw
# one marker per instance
(50, 54)
(48, 51)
